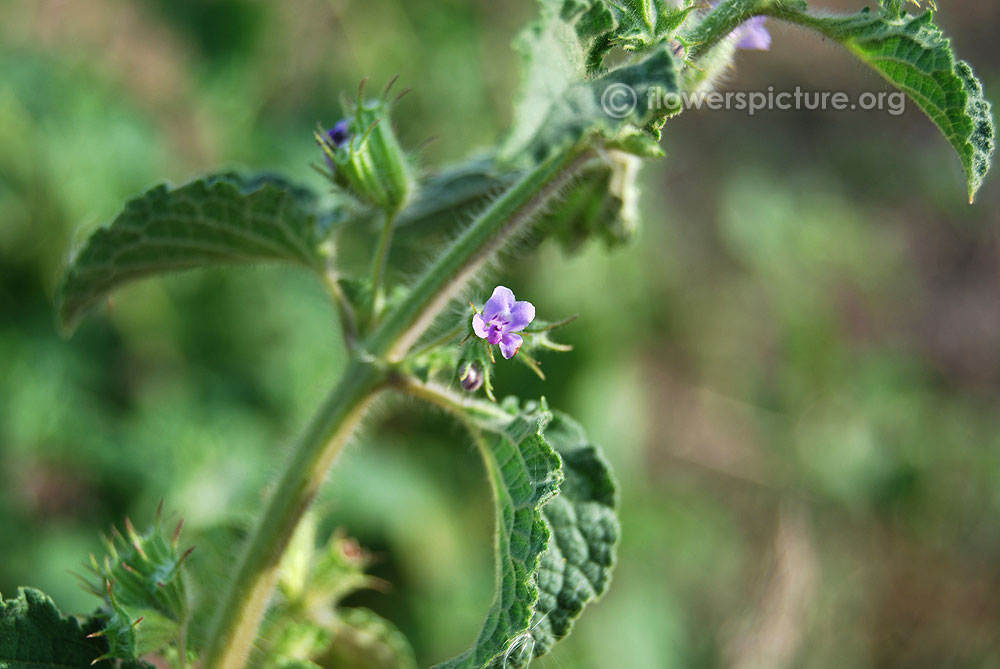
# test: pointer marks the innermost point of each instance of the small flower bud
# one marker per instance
(472, 379)
(365, 156)
(339, 133)
(336, 136)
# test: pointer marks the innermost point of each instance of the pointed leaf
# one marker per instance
(212, 221)
(913, 54)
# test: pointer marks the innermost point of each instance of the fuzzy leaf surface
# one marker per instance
(35, 635)
(557, 532)
(582, 518)
(524, 473)
(564, 85)
(217, 220)
(913, 54)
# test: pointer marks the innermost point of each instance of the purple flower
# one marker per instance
(334, 138)
(473, 378)
(752, 35)
(338, 134)
(501, 318)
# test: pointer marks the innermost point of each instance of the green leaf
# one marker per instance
(555, 551)
(634, 25)
(35, 635)
(561, 99)
(212, 221)
(603, 202)
(913, 54)
(453, 194)
(576, 568)
(524, 473)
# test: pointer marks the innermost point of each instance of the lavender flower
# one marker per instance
(501, 318)
(752, 35)
(339, 133)
(335, 138)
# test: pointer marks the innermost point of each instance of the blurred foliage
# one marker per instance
(795, 371)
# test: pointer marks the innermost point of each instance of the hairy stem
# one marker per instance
(463, 406)
(244, 604)
(345, 311)
(247, 598)
(378, 265)
(490, 232)
(444, 339)
(727, 17)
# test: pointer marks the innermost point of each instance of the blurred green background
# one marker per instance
(794, 371)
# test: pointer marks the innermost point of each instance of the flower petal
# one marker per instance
(494, 335)
(752, 35)
(479, 326)
(500, 302)
(521, 314)
(510, 344)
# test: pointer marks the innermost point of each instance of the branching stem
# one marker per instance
(248, 596)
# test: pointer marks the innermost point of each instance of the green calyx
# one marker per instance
(371, 164)
(145, 604)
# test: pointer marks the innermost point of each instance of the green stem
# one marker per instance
(345, 311)
(485, 414)
(446, 338)
(378, 265)
(244, 604)
(490, 232)
(729, 15)
(246, 600)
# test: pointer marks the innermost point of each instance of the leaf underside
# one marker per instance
(913, 54)
(556, 536)
(219, 220)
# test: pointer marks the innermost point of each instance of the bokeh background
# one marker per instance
(794, 370)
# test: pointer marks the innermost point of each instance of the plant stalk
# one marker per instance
(244, 604)
(378, 266)
(490, 232)
(729, 14)
(246, 601)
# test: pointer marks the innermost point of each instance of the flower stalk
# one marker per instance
(489, 233)
(243, 607)
(728, 16)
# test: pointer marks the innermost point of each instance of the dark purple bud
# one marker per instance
(339, 133)
(472, 380)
